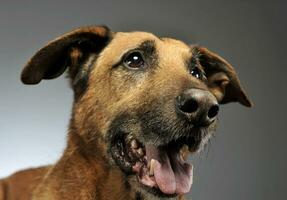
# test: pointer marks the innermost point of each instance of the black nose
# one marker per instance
(199, 106)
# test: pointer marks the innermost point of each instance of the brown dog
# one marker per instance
(141, 103)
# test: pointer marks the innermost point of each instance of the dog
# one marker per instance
(142, 104)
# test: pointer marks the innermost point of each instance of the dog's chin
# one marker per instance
(159, 170)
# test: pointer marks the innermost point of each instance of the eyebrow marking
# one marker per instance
(148, 47)
(195, 58)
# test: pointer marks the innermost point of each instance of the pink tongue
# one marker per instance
(172, 175)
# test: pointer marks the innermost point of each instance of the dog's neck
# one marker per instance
(85, 176)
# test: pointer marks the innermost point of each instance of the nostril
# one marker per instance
(213, 111)
(189, 106)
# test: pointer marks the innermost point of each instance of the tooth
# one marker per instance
(184, 151)
(129, 138)
(181, 157)
(140, 151)
(151, 167)
(134, 144)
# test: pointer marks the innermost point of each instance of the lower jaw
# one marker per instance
(145, 192)
(153, 191)
(180, 186)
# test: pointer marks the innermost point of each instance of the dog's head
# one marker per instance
(140, 101)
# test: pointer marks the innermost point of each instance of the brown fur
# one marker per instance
(21, 184)
(102, 93)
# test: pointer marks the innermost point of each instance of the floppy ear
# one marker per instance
(222, 78)
(70, 50)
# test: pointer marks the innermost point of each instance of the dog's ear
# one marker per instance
(222, 78)
(70, 50)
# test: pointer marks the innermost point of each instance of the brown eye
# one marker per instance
(196, 73)
(134, 60)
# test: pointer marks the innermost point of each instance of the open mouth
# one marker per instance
(160, 169)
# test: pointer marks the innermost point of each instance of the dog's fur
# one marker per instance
(109, 97)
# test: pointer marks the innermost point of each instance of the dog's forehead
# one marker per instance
(132, 39)
(173, 52)
(128, 40)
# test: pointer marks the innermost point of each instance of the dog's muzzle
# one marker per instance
(155, 153)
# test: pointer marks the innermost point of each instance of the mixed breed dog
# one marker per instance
(142, 104)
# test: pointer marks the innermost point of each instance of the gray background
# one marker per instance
(247, 159)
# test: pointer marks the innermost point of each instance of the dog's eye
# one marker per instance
(196, 72)
(134, 60)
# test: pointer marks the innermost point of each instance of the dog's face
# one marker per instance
(140, 101)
